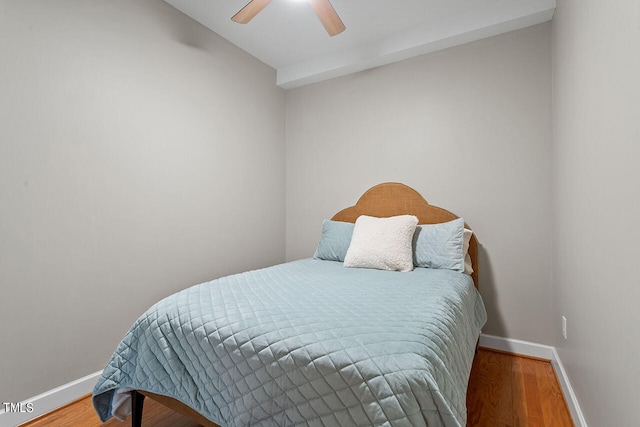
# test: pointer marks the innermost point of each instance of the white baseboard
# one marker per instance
(53, 399)
(49, 401)
(510, 345)
(530, 349)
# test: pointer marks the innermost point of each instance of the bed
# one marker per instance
(314, 342)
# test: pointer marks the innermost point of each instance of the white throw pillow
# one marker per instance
(382, 243)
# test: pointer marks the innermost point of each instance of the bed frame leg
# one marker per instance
(137, 402)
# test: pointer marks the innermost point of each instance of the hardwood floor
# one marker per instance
(507, 390)
(504, 390)
(81, 414)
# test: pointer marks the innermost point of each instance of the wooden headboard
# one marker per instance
(392, 198)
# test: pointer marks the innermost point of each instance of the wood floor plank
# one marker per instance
(489, 394)
(555, 412)
(504, 391)
(532, 396)
(506, 403)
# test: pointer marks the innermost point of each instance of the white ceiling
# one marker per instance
(288, 36)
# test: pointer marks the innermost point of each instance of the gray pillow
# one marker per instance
(440, 245)
(335, 240)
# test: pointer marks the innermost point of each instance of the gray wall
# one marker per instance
(596, 153)
(139, 154)
(470, 129)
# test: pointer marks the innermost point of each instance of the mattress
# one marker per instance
(308, 342)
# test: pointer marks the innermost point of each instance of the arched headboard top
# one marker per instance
(393, 198)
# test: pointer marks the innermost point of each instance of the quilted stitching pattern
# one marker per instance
(308, 343)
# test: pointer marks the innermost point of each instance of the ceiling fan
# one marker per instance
(326, 13)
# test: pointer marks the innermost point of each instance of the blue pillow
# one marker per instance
(440, 245)
(335, 240)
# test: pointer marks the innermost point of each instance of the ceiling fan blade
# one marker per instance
(328, 16)
(248, 12)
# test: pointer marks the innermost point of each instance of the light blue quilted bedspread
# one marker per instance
(308, 342)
